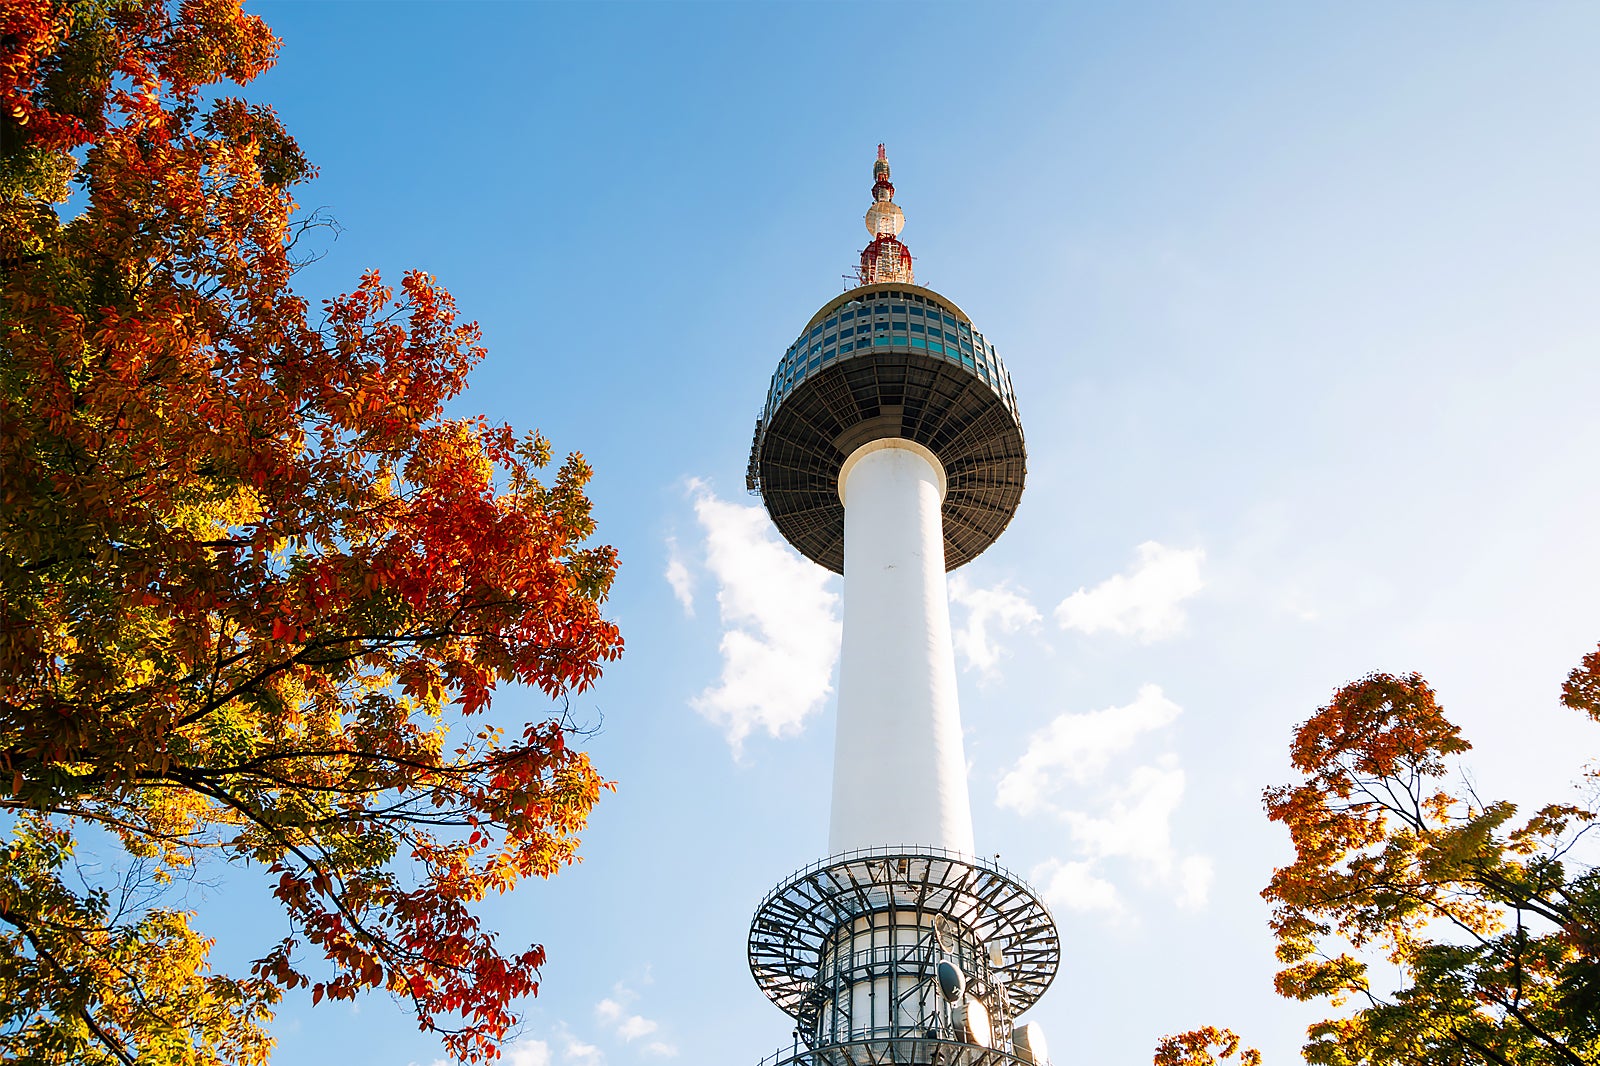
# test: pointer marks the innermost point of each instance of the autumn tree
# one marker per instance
(1487, 924)
(256, 590)
(1206, 1046)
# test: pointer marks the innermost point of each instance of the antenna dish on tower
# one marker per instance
(952, 982)
(971, 1020)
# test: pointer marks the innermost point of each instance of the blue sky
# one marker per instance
(1299, 303)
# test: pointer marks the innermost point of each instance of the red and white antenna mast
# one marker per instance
(885, 258)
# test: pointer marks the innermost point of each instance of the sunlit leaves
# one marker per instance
(1491, 924)
(1208, 1046)
(258, 590)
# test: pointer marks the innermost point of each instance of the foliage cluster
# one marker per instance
(257, 588)
(1487, 923)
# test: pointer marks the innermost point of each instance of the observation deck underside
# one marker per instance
(793, 926)
(889, 362)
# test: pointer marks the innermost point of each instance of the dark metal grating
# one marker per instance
(939, 404)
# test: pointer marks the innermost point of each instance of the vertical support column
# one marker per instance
(899, 772)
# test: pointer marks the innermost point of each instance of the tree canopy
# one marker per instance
(258, 590)
(1486, 925)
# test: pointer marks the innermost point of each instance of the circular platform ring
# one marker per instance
(957, 405)
(793, 924)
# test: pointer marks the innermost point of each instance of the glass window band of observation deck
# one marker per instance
(889, 316)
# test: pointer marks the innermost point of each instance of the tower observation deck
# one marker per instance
(890, 450)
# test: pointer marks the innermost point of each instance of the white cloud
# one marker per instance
(1194, 875)
(1135, 820)
(678, 576)
(613, 1012)
(780, 620)
(634, 1026)
(1119, 820)
(991, 613)
(1074, 886)
(526, 1052)
(1077, 747)
(1144, 602)
(577, 1051)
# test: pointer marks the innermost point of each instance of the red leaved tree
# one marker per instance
(257, 589)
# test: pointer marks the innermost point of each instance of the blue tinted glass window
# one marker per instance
(917, 311)
(965, 330)
(935, 346)
(846, 346)
(918, 327)
(950, 321)
(880, 341)
(847, 316)
(966, 345)
(834, 321)
(900, 335)
(919, 342)
(880, 325)
(967, 359)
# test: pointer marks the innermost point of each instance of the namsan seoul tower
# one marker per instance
(890, 451)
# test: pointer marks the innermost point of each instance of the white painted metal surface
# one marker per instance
(899, 774)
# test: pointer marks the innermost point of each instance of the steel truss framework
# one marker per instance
(919, 1051)
(804, 951)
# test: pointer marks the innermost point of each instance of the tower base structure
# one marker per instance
(905, 955)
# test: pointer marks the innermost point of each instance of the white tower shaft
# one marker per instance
(899, 774)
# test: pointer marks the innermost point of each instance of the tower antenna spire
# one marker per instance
(884, 258)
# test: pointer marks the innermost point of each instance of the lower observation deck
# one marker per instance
(886, 361)
(842, 923)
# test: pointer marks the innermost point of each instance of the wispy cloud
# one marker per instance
(1076, 748)
(526, 1052)
(1143, 602)
(780, 622)
(629, 1027)
(579, 1052)
(992, 613)
(678, 576)
(615, 1012)
(1075, 886)
(1119, 816)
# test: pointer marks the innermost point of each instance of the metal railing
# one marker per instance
(862, 1048)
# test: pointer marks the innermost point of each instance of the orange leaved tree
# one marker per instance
(255, 589)
(1489, 923)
